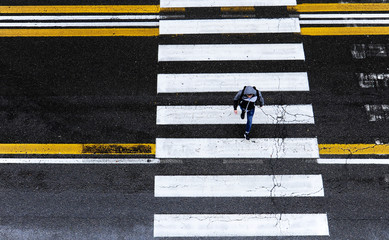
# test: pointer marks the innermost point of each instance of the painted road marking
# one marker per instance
(347, 15)
(333, 31)
(230, 82)
(211, 114)
(348, 21)
(354, 149)
(80, 32)
(80, 9)
(109, 148)
(239, 186)
(213, 26)
(240, 225)
(231, 52)
(81, 24)
(224, 3)
(377, 112)
(340, 7)
(236, 148)
(80, 160)
(80, 17)
(352, 161)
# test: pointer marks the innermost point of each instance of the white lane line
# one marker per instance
(231, 52)
(237, 148)
(79, 17)
(352, 161)
(270, 114)
(239, 186)
(351, 21)
(80, 160)
(213, 26)
(352, 15)
(225, 3)
(81, 24)
(240, 225)
(231, 82)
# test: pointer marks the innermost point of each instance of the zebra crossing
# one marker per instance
(261, 186)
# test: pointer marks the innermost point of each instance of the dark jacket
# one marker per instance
(248, 103)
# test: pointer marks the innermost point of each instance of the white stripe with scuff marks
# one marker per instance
(231, 52)
(214, 26)
(231, 82)
(377, 112)
(240, 225)
(351, 15)
(239, 186)
(79, 160)
(270, 114)
(237, 148)
(352, 161)
(79, 17)
(81, 24)
(352, 21)
(224, 3)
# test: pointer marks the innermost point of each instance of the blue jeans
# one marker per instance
(250, 114)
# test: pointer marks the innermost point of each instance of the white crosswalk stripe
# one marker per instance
(276, 114)
(231, 52)
(211, 26)
(230, 82)
(239, 225)
(239, 186)
(229, 186)
(224, 3)
(236, 148)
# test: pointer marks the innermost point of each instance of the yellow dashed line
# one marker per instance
(81, 9)
(114, 148)
(172, 10)
(80, 32)
(336, 31)
(339, 7)
(347, 149)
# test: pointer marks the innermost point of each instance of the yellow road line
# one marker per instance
(237, 9)
(339, 7)
(80, 32)
(347, 149)
(81, 9)
(336, 31)
(172, 9)
(114, 148)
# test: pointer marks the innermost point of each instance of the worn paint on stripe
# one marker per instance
(213, 114)
(347, 15)
(240, 225)
(230, 82)
(224, 3)
(340, 7)
(81, 32)
(353, 149)
(237, 148)
(80, 9)
(80, 160)
(219, 26)
(239, 186)
(377, 161)
(80, 17)
(172, 9)
(113, 148)
(344, 21)
(231, 52)
(237, 9)
(332, 31)
(79, 24)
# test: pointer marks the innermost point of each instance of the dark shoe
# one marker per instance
(242, 114)
(246, 135)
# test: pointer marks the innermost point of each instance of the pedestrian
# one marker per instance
(246, 99)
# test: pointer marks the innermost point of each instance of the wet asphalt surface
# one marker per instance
(103, 90)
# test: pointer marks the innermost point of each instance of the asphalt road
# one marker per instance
(103, 90)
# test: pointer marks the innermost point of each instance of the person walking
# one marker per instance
(246, 99)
